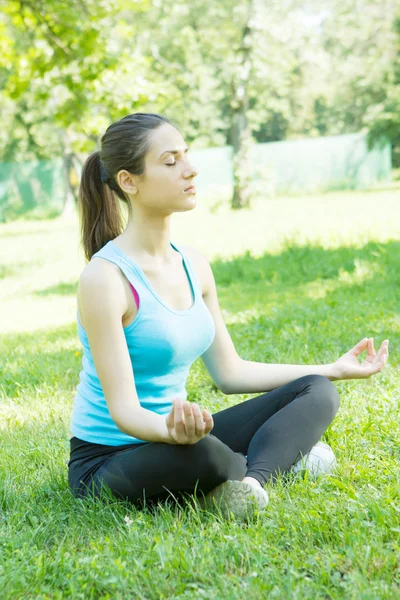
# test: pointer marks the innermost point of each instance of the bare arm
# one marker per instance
(254, 377)
(102, 303)
(249, 377)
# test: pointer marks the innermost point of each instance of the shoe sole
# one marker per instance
(237, 498)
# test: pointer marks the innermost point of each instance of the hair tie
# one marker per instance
(104, 174)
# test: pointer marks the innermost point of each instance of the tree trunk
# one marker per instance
(240, 132)
(241, 162)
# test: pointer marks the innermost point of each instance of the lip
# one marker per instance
(190, 189)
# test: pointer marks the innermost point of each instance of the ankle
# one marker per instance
(252, 481)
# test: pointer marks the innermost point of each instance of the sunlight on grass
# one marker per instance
(363, 271)
(300, 281)
(319, 289)
(241, 316)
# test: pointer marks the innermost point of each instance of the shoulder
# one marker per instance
(101, 283)
(101, 277)
(101, 270)
(201, 265)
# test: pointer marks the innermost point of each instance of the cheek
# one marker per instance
(162, 181)
(163, 174)
(154, 180)
(166, 179)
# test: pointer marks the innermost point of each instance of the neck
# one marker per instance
(148, 239)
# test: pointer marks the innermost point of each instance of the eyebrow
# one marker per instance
(173, 151)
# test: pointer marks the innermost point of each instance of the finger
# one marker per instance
(387, 349)
(171, 415)
(380, 361)
(177, 404)
(199, 421)
(371, 349)
(169, 419)
(179, 419)
(190, 425)
(384, 346)
(358, 348)
(208, 420)
(385, 353)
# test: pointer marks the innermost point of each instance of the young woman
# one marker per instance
(147, 309)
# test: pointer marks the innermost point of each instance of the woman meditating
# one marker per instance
(147, 308)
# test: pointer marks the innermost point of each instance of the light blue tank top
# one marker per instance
(163, 343)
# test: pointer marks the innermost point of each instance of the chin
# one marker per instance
(187, 207)
(189, 204)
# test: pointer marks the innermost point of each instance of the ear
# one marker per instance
(126, 182)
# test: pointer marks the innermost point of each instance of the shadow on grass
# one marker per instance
(294, 265)
(303, 264)
(292, 328)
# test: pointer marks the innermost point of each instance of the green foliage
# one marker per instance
(384, 116)
(363, 43)
(68, 69)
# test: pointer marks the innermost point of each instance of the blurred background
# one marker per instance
(277, 97)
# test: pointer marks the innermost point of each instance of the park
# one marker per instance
(304, 246)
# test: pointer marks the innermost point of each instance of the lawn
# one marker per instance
(300, 280)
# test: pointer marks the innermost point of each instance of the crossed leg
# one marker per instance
(273, 429)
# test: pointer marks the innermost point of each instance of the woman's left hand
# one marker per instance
(348, 367)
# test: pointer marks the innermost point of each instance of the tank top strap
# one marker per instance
(191, 272)
(129, 269)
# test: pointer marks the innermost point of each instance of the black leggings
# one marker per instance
(274, 430)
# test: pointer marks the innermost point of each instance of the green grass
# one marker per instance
(300, 280)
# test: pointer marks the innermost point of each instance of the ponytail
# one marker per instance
(99, 208)
(124, 145)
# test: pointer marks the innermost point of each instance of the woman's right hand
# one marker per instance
(186, 424)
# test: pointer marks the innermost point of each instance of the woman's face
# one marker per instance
(167, 174)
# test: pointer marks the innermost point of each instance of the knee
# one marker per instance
(327, 392)
(209, 455)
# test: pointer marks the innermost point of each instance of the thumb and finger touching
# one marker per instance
(369, 343)
(376, 361)
(182, 410)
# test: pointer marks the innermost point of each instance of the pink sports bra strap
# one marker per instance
(136, 295)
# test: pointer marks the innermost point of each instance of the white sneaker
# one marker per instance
(320, 459)
(239, 498)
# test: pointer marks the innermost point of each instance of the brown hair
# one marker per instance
(124, 145)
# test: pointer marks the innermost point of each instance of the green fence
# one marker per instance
(309, 165)
(30, 185)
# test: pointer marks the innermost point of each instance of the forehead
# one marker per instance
(165, 137)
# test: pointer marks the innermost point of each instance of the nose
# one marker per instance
(193, 170)
(192, 173)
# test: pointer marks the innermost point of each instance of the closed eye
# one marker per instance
(174, 163)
